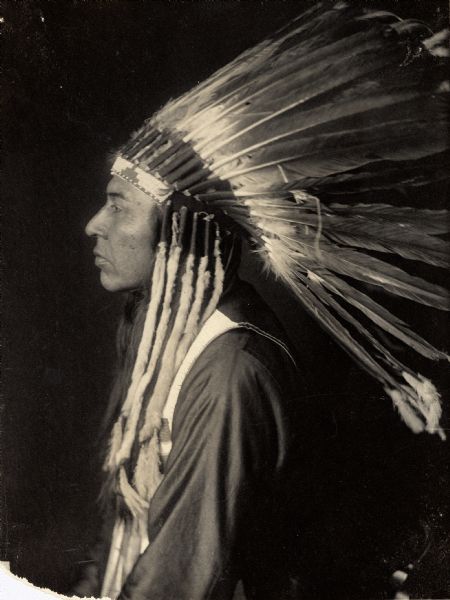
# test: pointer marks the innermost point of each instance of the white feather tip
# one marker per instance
(418, 403)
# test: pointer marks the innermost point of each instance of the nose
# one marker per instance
(97, 225)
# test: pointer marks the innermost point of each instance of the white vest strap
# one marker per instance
(215, 326)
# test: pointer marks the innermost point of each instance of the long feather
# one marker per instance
(406, 241)
(292, 72)
(431, 222)
(419, 402)
(409, 244)
(357, 265)
(248, 62)
(315, 284)
(331, 152)
(334, 327)
(330, 77)
(330, 114)
(361, 80)
(392, 279)
(378, 176)
(379, 315)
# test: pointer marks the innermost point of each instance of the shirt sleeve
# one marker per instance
(228, 444)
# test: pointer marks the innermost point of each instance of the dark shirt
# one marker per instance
(295, 495)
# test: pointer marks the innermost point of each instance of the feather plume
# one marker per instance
(418, 404)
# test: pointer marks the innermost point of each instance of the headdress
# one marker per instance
(341, 101)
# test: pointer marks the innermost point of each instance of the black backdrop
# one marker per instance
(80, 76)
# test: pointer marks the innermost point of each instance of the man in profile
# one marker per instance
(215, 467)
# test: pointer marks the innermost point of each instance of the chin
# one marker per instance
(110, 284)
(113, 284)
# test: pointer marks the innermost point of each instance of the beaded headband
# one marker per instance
(141, 179)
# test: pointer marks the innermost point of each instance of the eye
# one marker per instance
(114, 208)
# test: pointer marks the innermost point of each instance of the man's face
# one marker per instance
(125, 228)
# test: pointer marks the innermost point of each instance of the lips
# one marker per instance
(100, 260)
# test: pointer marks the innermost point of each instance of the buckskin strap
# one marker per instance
(215, 326)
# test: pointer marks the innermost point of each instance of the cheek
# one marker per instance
(136, 252)
(131, 238)
(139, 242)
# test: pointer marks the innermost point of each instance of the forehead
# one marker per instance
(119, 187)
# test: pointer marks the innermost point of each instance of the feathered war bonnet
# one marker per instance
(338, 101)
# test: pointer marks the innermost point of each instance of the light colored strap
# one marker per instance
(216, 325)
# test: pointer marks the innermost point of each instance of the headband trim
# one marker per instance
(146, 182)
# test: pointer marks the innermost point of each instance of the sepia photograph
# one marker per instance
(225, 296)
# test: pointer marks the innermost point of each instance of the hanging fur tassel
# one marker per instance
(114, 444)
(201, 286)
(219, 276)
(148, 333)
(148, 475)
(136, 504)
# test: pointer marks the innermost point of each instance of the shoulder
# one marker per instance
(241, 382)
(243, 357)
(260, 342)
(233, 397)
(244, 375)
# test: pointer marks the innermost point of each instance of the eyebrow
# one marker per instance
(116, 195)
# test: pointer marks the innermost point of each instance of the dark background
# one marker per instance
(80, 76)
